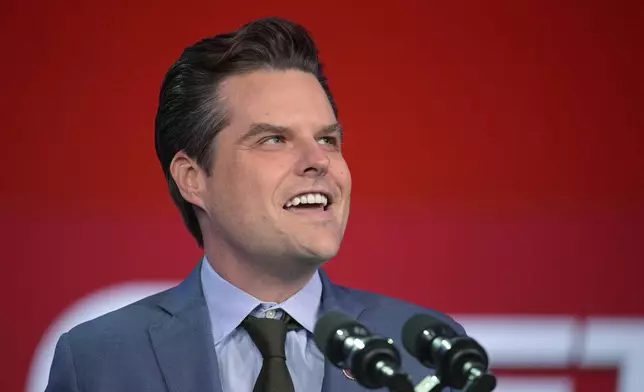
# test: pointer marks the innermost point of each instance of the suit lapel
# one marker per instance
(183, 341)
(334, 300)
(184, 347)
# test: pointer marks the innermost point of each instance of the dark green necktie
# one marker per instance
(269, 335)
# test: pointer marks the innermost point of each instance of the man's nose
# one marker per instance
(313, 160)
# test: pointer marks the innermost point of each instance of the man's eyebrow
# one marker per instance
(257, 129)
(333, 128)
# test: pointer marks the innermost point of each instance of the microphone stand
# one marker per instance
(430, 384)
(394, 379)
(400, 383)
(478, 382)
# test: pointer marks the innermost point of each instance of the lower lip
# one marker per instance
(318, 213)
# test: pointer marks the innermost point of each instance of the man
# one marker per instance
(249, 141)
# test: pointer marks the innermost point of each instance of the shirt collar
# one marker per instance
(229, 305)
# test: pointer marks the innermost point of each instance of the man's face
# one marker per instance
(279, 187)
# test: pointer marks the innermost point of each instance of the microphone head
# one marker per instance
(326, 329)
(373, 360)
(420, 330)
(458, 359)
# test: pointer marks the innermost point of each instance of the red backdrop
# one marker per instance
(496, 143)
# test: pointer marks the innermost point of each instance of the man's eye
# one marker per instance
(272, 140)
(329, 140)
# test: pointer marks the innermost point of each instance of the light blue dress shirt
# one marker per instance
(238, 358)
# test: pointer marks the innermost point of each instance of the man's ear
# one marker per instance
(189, 178)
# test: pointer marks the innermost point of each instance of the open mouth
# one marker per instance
(309, 201)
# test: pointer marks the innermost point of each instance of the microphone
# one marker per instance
(460, 361)
(373, 360)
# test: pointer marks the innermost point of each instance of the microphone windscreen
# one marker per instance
(327, 326)
(413, 329)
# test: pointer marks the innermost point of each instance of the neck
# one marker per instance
(264, 280)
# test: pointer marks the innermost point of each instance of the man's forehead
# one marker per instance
(275, 95)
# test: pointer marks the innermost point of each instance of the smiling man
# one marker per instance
(250, 144)
(272, 201)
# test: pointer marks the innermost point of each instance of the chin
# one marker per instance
(320, 250)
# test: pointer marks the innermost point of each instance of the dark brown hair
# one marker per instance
(189, 115)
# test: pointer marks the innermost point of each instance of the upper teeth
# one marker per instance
(308, 198)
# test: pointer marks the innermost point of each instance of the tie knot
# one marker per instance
(269, 335)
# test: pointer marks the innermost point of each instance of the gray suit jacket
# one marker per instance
(163, 342)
